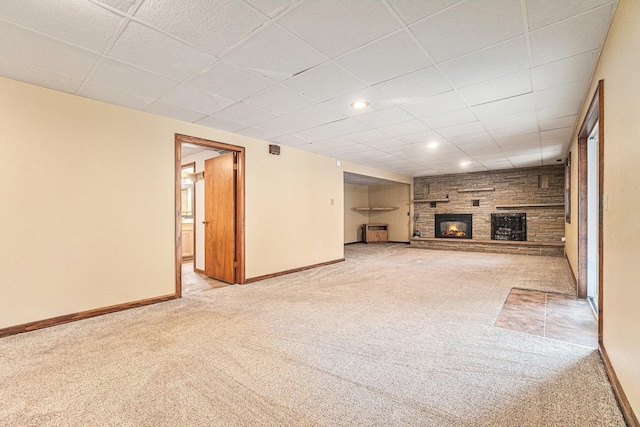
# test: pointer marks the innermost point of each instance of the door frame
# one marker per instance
(595, 115)
(240, 207)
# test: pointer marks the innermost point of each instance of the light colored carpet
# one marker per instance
(391, 337)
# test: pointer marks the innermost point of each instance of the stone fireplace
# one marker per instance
(453, 226)
(509, 226)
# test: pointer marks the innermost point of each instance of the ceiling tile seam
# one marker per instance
(584, 12)
(451, 6)
(107, 49)
(527, 39)
(281, 13)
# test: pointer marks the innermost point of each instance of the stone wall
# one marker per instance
(539, 185)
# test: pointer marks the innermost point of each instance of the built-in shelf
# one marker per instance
(430, 200)
(532, 205)
(473, 190)
(375, 209)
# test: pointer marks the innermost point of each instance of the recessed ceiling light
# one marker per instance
(433, 144)
(465, 163)
(359, 104)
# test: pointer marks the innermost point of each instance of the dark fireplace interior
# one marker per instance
(509, 226)
(453, 226)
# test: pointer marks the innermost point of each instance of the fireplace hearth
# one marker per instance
(509, 226)
(453, 226)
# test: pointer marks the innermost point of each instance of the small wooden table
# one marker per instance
(376, 233)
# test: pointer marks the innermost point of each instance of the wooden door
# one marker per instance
(220, 217)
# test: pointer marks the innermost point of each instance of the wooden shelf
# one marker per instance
(375, 209)
(473, 190)
(430, 200)
(532, 205)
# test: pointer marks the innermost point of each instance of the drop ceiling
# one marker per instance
(452, 86)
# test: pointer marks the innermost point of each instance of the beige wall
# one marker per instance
(88, 197)
(393, 195)
(618, 67)
(355, 196)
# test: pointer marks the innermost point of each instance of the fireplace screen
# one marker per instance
(509, 226)
(453, 226)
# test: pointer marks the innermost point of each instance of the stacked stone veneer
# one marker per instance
(545, 225)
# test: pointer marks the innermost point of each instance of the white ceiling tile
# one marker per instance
(386, 117)
(75, 21)
(526, 160)
(385, 143)
(274, 53)
(38, 76)
(325, 82)
(315, 115)
(283, 125)
(487, 64)
(280, 100)
(515, 131)
(518, 119)
(554, 141)
(246, 114)
(212, 25)
(218, 123)
(121, 5)
(258, 133)
(437, 104)
(156, 52)
(469, 26)
(503, 107)
(470, 138)
(532, 138)
(425, 136)
(569, 70)
(230, 81)
(168, 110)
(569, 121)
(544, 12)
(500, 88)
(561, 94)
(405, 128)
(421, 84)
(464, 129)
(126, 77)
(483, 147)
(290, 140)
(384, 59)
(343, 103)
(569, 38)
(557, 133)
(271, 8)
(335, 27)
(194, 98)
(40, 51)
(410, 10)
(367, 135)
(451, 118)
(333, 129)
(559, 111)
(554, 152)
(116, 97)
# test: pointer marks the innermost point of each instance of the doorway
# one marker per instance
(590, 205)
(228, 238)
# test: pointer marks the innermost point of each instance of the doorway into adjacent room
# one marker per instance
(209, 214)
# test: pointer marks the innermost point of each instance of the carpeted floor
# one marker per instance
(391, 337)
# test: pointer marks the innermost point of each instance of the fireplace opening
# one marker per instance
(453, 226)
(509, 226)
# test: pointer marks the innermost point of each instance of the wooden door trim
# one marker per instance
(240, 207)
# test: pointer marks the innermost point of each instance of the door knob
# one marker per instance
(205, 222)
